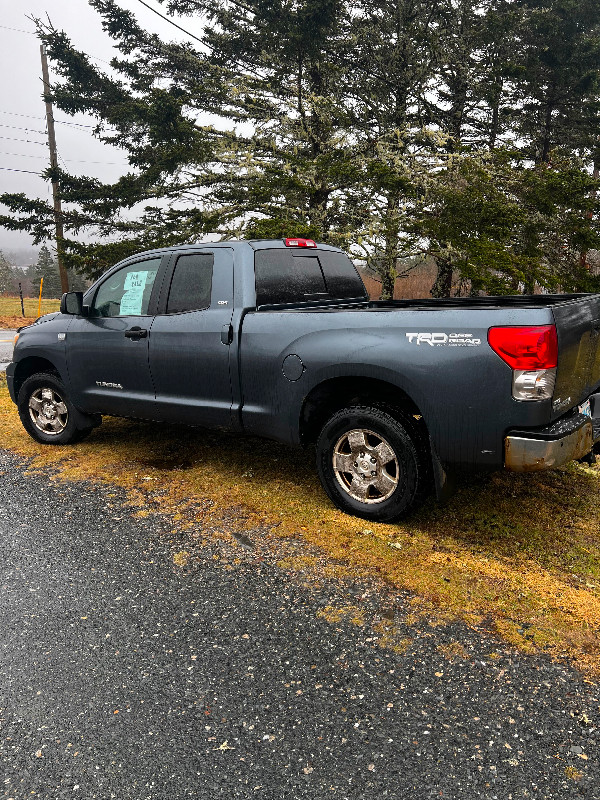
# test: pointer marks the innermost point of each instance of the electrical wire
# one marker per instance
(170, 21)
(34, 33)
(21, 155)
(29, 141)
(35, 130)
(17, 128)
(29, 171)
(68, 161)
(57, 121)
(27, 116)
(166, 19)
(17, 30)
(73, 124)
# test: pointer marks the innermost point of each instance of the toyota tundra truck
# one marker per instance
(279, 339)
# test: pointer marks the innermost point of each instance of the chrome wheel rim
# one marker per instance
(366, 466)
(48, 411)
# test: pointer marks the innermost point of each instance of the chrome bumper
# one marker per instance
(526, 454)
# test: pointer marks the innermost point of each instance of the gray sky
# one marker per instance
(21, 105)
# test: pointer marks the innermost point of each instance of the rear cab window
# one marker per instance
(289, 275)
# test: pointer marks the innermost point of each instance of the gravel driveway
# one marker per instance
(126, 676)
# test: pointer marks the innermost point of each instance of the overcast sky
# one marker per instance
(21, 105)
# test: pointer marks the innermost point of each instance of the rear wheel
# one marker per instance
(373, 463)
(46, 412)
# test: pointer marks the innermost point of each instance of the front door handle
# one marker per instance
(136, 333)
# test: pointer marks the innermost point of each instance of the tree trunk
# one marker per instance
(443, 283)
(390, 259)
(589, 215)
(547, 134)
(495, 121)
(528, 286)
(318, 211)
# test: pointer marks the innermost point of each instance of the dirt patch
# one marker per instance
(11, 315)
(11, 323)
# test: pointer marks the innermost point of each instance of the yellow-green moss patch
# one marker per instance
(515, 554)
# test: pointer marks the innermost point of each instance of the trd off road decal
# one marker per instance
(444, 339)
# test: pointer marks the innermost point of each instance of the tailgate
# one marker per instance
(578, 374)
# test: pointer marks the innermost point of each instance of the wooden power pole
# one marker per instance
(58, 222)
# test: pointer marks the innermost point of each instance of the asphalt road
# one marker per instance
(125, 676)
(6, 347)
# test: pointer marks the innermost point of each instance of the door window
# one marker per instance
(127, 291)
(191, 284)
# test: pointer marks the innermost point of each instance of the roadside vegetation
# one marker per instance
(11, 315)
(516, 555)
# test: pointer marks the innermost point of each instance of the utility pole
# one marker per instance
(64, 278)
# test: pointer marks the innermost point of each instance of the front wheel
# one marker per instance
(373, 463)
(46, 412)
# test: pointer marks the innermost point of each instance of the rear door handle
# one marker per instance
(227, 334)
(136, 333)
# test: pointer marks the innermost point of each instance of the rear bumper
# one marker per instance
(567, 439)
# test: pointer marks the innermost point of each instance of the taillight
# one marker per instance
(300, 243)
(532, 353)
(525, 348)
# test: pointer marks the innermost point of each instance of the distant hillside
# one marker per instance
(21, 256)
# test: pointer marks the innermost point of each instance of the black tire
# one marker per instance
(56, 420)
(388, 476)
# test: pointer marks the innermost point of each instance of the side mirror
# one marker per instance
(72, 303)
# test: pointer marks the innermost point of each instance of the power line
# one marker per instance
(29, 141)
(73, 124)
(34, 33)
(35, 130)
(21, 155)
(158, 14)
(58, 121)
(17, 30)
(17, 128)
(68, 161)
(170, 21)
(14, 114)
(29, 171)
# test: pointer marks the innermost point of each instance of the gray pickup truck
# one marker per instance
(279, 339)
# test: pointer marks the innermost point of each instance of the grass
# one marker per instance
(11, 315)
(518, 555)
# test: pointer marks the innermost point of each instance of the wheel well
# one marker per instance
(29, 366)
(330, 396)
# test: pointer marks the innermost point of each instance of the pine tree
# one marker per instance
(6, 275)
(47, 268)
(391, 127)
(393, 61)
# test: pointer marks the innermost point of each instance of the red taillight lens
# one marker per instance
(300, 243)
(525, 348)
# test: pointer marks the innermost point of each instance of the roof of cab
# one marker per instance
(236, 244)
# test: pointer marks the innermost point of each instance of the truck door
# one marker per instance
(189, 346)
(107, 351)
